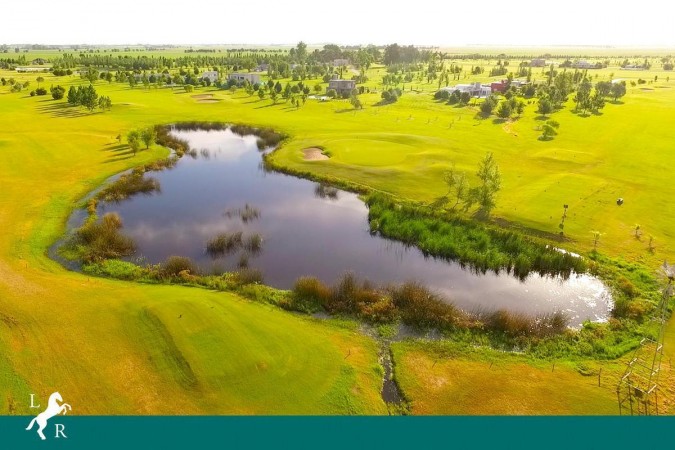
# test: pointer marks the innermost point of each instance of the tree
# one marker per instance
(91, 75)
(504, 110)
(89, 98)
(148, 136)
(597, 102)
(464, 98)
(603, 88)
(104, 103)
(133, 139)
(356, 103)
(618, 90)
(488, 105)
(490, 183)
(72, 96)
(188, 88)
(549, 129)
(39, 80)
(301, 52)
(455, 181)
(520, 107)
(274, 96)
(261, 93)
(545, 106)
(58, 92)
(583, 97)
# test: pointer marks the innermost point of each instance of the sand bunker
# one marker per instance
(202, 96)
(314, 154)
(208, 100)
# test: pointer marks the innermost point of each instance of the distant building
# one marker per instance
(32, 69)
(538, 62)
(633, 67)
(501, 86)
(211, 75)
(340, 62)
(252, 78)
(498, 86)
(473, 89)
(38, 61)
(583, 64)
(342, 87)
(264, 67)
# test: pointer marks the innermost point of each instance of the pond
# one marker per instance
(308, 229)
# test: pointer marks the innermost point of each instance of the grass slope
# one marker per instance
(499, 384)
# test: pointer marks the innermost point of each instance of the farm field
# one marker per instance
(146, 349)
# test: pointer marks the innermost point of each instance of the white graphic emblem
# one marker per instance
(53, 409)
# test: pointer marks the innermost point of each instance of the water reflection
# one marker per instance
(304, 228)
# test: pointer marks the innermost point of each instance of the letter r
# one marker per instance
(60, 428)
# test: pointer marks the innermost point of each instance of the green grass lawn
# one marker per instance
(121, 348)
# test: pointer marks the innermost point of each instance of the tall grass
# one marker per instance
(100, 240)
(224, 244)
(247, 214)
(414, 304)
(470, 243)
(166, 139)
(254, 243)
(128, 185)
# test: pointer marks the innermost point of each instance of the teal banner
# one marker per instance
(188, 432)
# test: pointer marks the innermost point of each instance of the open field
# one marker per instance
(476, 382)
(123, 348)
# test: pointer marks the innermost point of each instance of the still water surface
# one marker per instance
(310, 231)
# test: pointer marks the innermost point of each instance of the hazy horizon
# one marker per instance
(490, 23)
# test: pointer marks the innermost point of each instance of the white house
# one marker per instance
(32, 69)
(340, 62)
(538, 62)
(252, 78)
(583, 64)
(211, 75)
(473, 89)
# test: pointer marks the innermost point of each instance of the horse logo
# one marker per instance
(53, 409)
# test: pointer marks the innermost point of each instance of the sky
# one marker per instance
(347, 22)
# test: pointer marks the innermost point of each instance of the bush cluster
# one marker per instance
(468, 242)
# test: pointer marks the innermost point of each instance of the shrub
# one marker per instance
(342, 294)
(103, 240)
(41, 91)
(627, 287)
(375, 306)
(128, 185)
(114, 268)
(310, 294)
(420, 307)
(174, 265)
(248, 276)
